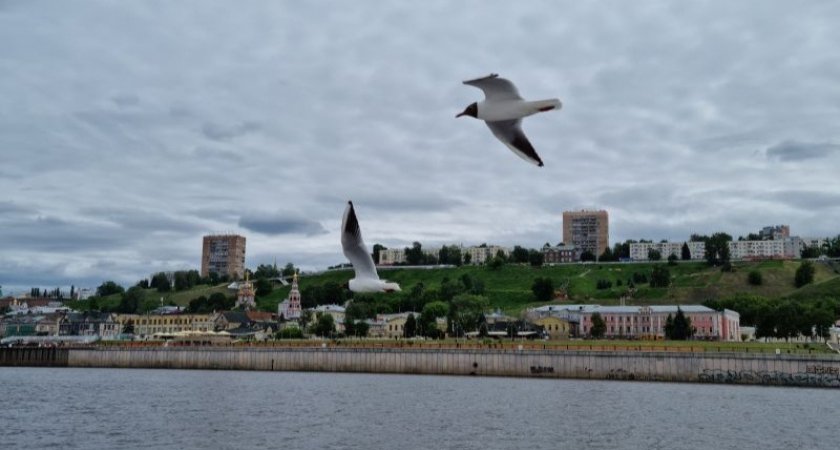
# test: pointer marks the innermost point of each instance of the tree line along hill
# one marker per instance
(515, 287)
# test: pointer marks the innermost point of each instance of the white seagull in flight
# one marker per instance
(503, 109)
(367, 280)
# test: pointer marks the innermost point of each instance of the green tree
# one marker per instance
(587, 255)
(464, 312)
(717, 249)
(106, 288)
(288, 270)
(414, 254)
(599, 327)
(672, 259)
(686, 252)
(262, 287)
(609, 255)
(289, 333)
(804, 274)
(654, 255)
(410, 327)
(832, 247)
(536, 258)
(431, 311)
(823, 319)
(811, 252)
(130, 301)
(325, 326)
(680, 326)
(160, 282)
(450, 254)
(266, 271)
(467, 258)
(495, 263)
(543, 289)
(660, 276)
(519, 255)
(755, 278)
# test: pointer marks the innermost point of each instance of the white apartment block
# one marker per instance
(394, 256)
(787, 248)
(391, 256)
(639, 251)
(480, 255)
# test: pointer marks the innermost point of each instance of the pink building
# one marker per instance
(647, 322)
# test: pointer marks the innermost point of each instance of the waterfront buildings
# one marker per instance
(223, 254)
(644, 322)
(146, 325)
(586, 231)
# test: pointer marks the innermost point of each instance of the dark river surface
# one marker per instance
(148, 409)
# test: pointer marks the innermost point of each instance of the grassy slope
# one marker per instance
(509, 288)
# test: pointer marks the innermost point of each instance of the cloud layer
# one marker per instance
(126, 133)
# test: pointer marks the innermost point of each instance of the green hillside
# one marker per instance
(509, 287)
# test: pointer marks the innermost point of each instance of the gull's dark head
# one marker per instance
(471, 111)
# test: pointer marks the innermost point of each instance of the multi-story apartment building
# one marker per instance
(481, 254)
(586, 231)
(785, 248)
(639, 251)
(646, 322)
(223, 254)
(391, 256)
(774, 232)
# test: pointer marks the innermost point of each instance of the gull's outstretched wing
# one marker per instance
(354, 247)
(495, 88)
(510, 133)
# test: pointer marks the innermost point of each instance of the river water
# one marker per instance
(149, 409)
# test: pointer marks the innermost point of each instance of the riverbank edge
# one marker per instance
(724, 367)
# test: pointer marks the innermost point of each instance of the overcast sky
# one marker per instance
(130, 129)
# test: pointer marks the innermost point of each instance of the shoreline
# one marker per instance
(819, 370)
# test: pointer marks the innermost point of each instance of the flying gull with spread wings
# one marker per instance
(366, 280)
(503, 109)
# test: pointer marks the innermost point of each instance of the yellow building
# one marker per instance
(149, 324)
(556, 327)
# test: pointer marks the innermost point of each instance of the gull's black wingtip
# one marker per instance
(540, 164)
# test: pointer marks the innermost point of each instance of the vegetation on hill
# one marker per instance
(514, 287)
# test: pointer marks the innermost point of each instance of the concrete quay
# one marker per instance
(734, 368)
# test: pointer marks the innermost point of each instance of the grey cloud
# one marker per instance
(217, 132)
(125, 100)
(11, 208)
(49, 233)
(279, 223)
(806, 200)
(798, 151)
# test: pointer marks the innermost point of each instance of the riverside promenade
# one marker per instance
(817, 370)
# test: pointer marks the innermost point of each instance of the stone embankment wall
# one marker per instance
(33, 357)
(741, 368)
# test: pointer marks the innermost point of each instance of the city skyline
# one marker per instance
(131, 132)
